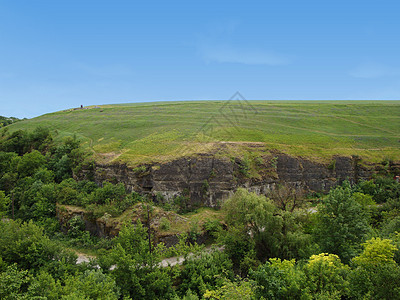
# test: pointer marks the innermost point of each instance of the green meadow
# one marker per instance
(159, 131)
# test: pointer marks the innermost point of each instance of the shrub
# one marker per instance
(212, 227)
(76, 226)
(205, 271)
(165, 224)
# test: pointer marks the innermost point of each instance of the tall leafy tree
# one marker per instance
(342, 223)
(325, 277)
(275, 232)
(137, 271)
(28, 246)
(29, 163)
(204, 271)
(278, 279)
(92, 284)
(236, 290)
(376, 275)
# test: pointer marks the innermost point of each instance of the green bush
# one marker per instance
(182, 204)
(212, 227)
(4, 204)
(28, 246)
(205, 271)
(342, 234)
(165, 224)
(109, 193)
(76, 226)
(278, 279)
(194, 232)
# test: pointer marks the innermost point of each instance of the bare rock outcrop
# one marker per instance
(208, 179)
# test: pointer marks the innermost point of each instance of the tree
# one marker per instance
(276, 233)
(386, 189)
(27, 245)
(325, 275)
(364, 200)
(248, 216)
(40, 138)
(342, 224)
(109, 193)
(4, 204)
(6, 159)
(137, 272)
(249, 209)
(29, 163)
(92, 284)
(278, 279)
(22, 141)
(204, 271)
(13, 283)
(240, 247)
(376, 275)
(232, 290)
(376, 251)
(287, 197)
(44, 285)
(66, 158)
(35, 200)
(15, 142)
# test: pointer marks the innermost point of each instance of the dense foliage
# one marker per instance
(36, 174)
(4, 121)
(344, 248)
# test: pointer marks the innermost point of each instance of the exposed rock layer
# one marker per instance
(207, 179)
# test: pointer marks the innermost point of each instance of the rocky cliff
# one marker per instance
(109, 227)
(208, 179)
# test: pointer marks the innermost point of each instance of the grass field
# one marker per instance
(159, 131)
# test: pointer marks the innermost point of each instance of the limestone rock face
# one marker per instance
(109, 227)
(99, 227)
(207, 179)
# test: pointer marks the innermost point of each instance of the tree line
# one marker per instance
(4, 121)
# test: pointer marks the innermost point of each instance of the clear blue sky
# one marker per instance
(58, 54)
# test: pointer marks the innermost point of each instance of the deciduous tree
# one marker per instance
(342, 223)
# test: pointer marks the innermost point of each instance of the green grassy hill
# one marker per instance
(159, 131)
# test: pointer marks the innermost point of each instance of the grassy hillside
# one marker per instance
(159, 131)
